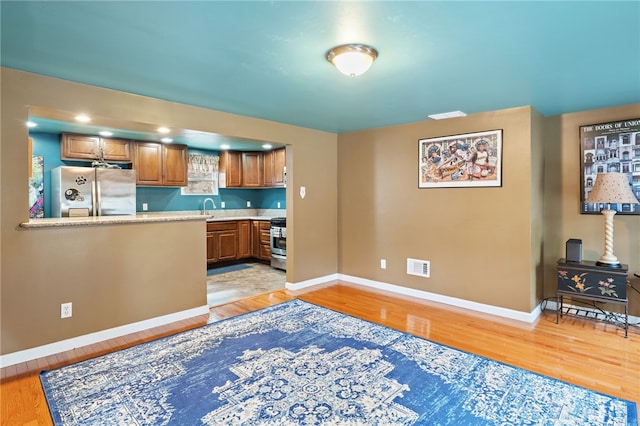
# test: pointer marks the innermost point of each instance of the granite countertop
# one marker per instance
(149, 217)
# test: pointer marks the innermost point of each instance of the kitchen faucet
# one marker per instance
(204, 205)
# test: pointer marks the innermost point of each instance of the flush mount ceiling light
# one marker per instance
(352, 59)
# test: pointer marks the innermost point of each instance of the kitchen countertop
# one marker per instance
(149, 217)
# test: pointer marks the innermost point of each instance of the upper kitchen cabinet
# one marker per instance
(159, 164)
(253, 169)
(231, 166)
(275, 166)
(89, 148)
(252, 166)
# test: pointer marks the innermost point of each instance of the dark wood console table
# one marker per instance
(588, 281)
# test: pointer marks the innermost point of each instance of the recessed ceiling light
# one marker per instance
(224, 146)
(83, 118)
(450, 114)
(31, 124)
(166, 140)
(163, 130)
(267, 146)
(106, 133)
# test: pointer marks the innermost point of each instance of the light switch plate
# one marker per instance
(303, 192)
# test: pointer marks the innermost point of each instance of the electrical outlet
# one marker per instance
(145, 207)
(248, 203)
(222, 204)
(278, 204)
(383, 263)
(66, 310)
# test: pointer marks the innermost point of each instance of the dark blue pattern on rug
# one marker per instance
(298, 363)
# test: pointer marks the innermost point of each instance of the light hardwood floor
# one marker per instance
(583, 352)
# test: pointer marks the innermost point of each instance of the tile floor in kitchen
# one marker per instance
(250, 279)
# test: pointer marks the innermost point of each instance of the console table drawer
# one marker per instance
(588, 279)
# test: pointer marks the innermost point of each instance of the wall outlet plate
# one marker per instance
(222, 204)
(66, 310)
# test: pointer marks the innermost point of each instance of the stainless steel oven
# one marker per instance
(278, 238)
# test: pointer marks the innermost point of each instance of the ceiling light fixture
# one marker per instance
(105, 133)
(224, 146)
(31, 124)
(352, 59)
(267, 146)
(163, 130)
(166, 140)
(83, 118)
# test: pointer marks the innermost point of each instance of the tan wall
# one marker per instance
(151, 269)
(562, 201)
(483, 243)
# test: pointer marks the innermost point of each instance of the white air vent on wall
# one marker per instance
(421, 268)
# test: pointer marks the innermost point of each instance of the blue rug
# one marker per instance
(298, 363)
(225, 269)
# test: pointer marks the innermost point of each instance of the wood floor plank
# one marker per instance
(583, 352)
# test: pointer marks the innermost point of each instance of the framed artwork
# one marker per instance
(612, 147)
(466, 160)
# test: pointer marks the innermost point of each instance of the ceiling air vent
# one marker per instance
(421, 268)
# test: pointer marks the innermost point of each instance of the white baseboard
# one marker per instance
(99, 336)
(461, 303)
(304, 284)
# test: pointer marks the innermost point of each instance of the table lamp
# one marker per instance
(610, 188)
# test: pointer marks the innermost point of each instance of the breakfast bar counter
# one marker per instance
(152, 217)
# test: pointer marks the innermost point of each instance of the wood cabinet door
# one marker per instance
(116, 150)
(79, 147)
(231, 166)
(227, 245)
(252, 169)
(267, 164)
(255, 238)
(147, 162)
(244, 239)
(279, 167)
(174, 165)
(211, 247)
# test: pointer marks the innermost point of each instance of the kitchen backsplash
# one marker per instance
(160, 199)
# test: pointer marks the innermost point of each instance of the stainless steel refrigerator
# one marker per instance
(88, 191)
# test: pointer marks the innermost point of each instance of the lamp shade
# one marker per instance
(612, 188)
(352, 59)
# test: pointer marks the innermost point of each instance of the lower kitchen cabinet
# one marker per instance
(222, 241)
(260, 239)
(238, 239)
(244, 239)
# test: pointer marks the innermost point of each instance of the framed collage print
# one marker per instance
(466, 160)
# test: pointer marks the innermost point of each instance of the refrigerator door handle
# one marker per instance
(98, 198)
(93, 198)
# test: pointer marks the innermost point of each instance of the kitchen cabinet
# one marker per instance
(231, 166)
(222, 241)
(252, 170)
(260, 239)
(89, 148)
(275, 166)
(244, 239)
(159, 164)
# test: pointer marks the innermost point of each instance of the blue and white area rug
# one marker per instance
(300, 364)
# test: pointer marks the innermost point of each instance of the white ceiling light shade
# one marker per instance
(352, 59)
